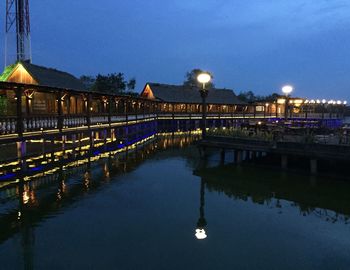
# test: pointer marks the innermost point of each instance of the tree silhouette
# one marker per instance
(191, 78)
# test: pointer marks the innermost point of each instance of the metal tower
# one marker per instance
(17, 29)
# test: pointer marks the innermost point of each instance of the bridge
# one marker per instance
(56, 118)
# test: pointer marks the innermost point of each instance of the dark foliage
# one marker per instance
(113, 83)
(191, 78)
(249, 96)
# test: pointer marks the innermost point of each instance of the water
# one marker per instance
(141, 211)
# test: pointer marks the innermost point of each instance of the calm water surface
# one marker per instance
(141, 211)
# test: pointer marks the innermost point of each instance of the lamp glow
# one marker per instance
(204, 78)
(324, 101)
(339, 102)
(200, 234)
(287, 89)
(345, 102)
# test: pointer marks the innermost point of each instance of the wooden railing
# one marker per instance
(107, 109)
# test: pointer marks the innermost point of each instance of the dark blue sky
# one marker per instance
(256, 45)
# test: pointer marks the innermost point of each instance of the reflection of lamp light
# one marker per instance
(200, 234)
(201, 223)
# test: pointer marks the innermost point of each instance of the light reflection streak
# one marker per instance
(167, 138)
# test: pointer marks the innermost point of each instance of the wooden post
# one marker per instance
(59, 111)
(74, 140)
(110, 111)
(88, 110)
(28, 109)
(52, 149)
(19, 126)
(68, 105)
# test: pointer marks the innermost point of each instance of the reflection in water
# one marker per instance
(324, 198)
(23, 207)
(42, 197)
(201, 223)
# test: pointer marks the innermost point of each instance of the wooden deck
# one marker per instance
(307, 150)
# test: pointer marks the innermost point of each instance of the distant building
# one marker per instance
(186, 94)
(41, 102)
(24, 72)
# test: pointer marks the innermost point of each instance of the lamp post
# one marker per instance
(287, 89)
(203, 79)
(323, 107)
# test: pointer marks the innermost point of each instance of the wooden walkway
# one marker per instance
(255, 147)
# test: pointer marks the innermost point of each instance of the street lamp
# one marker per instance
(287, 89)
(204, 78)
(323, 107)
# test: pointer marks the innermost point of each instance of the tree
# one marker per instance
(247, 96)
(131, 84)
(273, 96)
(113, 83)
(88, 81)
(191, 78)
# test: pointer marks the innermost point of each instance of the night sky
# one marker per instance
(256, 45)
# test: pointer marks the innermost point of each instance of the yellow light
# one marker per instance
(281, 101)
(204, 78)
